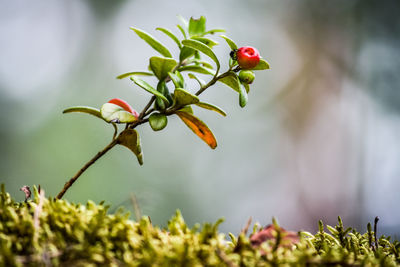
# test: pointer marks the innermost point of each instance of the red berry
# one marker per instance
(123, 104)
(247, 57)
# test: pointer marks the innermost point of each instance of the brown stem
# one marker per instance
(213, 81)
(87, 165)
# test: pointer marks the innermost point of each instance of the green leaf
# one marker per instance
(230, 42)
(247, 87)
(200, 81)
(130, 138)
(139, 73)
(160, 48)
(149, 88)
(211, 107)
(161, 66)
(214, 31)
(187, 109)
(163, 89)
(178, 82)
(197, 69)
(185, 53)
(210, 43)
(158, 121)
(232, 81)
(170, 35)
(182, 30)
(242, 97)
(83, 109)
(202, 48)
(197, 27)
(183, 97)
(198, 127)
(262, 65)
(116, 114)
(179, 74)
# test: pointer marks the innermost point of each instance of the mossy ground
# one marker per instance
(45, 232)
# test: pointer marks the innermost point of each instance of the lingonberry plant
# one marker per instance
(170, 75)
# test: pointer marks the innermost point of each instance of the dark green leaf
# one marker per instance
(158, 121)
(152, 42)
(197, 69)
(83, 109)
(163, 89)
(202, 48)
(161, 66)
(198, 127)
(230, 42)
(197, 27)
(178, 82)
(262, 65)
(130, 138)
(211, 107)
(200, 81)
(183, 97)
(232, 81)
(139, 73)
(242, 97)
(116, 114)
(149, 88)
(206, 41)
(187, 109)
(182, 30)
(185, 53)
(170, 35)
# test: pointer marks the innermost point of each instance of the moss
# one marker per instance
(45, 232)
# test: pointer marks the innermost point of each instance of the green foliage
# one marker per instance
(47, 232)
(195, 44)
(158, 121)
(130, 138)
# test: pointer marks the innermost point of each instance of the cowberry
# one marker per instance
(247, 57)
(246, 76)
(123, 104)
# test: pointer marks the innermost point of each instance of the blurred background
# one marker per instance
(319, 137)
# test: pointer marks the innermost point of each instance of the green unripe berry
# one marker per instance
(246, 76)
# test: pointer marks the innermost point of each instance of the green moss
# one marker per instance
(63, 234)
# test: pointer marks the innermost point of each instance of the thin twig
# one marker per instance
(87, 165)
(143, 113)
(115, 131)
(246, 228)
(375, 231)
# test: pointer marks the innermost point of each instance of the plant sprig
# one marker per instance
(163, 103)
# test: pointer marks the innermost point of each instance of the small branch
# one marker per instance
(212, 82)
(246, 228)
(375, 231)
(115, 131)
(87, 165)
(143, 113)
(148, 112)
